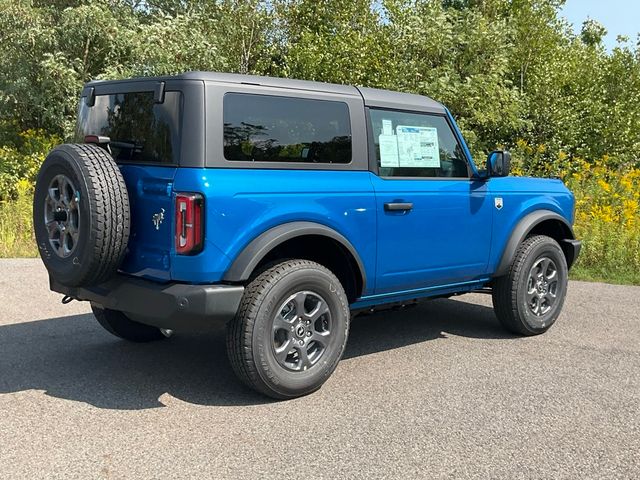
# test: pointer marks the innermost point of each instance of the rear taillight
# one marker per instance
(189, 223)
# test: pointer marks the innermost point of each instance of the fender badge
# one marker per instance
(498, 203)
(158, 218)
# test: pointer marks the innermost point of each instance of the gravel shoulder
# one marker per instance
(435, 391)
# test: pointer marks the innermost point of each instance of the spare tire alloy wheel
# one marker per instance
(61, 215)
(81, 215)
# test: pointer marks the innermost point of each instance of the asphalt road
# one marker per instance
(437, 391)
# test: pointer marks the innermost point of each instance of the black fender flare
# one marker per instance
(247, 260)
(523, 228)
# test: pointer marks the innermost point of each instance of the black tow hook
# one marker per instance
(67, 299)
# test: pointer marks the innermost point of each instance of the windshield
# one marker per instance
(141, 131)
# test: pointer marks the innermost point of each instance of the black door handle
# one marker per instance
(389, 207)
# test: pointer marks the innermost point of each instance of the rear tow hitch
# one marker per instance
(67, 299)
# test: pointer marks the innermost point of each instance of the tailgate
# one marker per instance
(152, 214)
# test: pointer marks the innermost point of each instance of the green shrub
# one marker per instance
(20, 159)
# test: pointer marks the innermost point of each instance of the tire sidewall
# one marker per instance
(65, 270)
(530, 321)
(282, 381)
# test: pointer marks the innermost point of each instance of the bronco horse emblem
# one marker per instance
(158, 218)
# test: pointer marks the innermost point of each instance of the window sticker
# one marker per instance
(388, 150)
(418, 146)
(387, 127)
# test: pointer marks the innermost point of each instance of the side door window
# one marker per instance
(416, 145)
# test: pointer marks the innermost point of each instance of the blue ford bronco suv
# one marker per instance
(282, 207)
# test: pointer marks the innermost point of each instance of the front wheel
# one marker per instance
(290, 330)
(528, 300)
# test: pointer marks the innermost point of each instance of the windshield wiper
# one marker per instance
(107, 143)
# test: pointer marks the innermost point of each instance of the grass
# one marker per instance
(610, 252)
(616, 277)
(16, 228)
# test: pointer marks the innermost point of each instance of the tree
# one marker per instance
(511, 71)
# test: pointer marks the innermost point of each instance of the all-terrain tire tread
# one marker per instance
(109, 212)
(240, 329)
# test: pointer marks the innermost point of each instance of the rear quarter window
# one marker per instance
(141, 131)
(268, 128)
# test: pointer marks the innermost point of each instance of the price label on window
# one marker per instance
(418, 146)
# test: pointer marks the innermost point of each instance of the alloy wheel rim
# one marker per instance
(62, 215)
(301, 331)
(542, 286)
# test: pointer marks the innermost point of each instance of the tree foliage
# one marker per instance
(511, 71)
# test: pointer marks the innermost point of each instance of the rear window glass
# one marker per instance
(264, 128)
(141, 131)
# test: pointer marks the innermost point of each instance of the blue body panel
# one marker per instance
(150, 193)
(451, 241)
(445, 238)
(521, 196)
(240, 204)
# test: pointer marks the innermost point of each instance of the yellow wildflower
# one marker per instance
(604, 185)
(23, 186)
(630, 208)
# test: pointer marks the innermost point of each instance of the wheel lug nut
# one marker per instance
(308, 334)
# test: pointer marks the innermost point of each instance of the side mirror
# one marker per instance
(498, 163)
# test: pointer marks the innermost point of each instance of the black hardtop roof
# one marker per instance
(372, 96)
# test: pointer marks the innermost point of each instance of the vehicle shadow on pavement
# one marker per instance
(429, 320)
(73, 358)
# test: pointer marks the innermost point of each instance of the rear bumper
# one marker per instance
(170, 305)
(571, 250)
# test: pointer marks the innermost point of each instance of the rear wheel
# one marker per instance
(118, 324)
(529, 299)
(290, 330)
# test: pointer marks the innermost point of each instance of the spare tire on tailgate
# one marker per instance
(81, 214)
